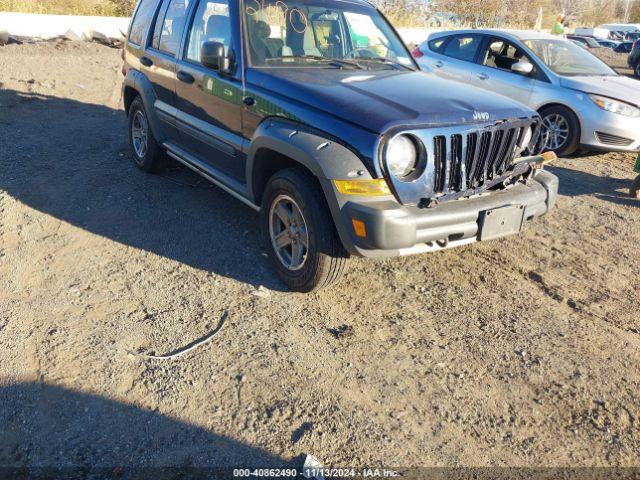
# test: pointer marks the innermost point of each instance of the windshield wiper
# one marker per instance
(318, 58)
(387, 61)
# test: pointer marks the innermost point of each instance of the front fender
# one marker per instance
(322, 155)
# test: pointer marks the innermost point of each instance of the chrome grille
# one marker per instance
(466, 161)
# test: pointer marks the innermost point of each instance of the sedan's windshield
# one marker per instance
(318, 34)
(567, 59)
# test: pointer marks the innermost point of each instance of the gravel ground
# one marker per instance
(518, 352)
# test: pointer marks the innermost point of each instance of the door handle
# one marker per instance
(483, 76)
(146, 61)
(185, 77)
(439, 64)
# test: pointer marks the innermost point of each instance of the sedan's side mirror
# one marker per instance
(212, 56)
(522, 67)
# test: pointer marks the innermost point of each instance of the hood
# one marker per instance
(618, 87)
(381, 99)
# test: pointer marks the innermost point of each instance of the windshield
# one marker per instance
(567, 59)
(321, 34)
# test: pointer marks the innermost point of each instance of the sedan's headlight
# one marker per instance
(615, 106)
(402, 156)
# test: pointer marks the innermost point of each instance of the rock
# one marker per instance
(261, 292)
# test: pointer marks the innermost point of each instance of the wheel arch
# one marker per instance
(280, 143)
(563, 105)
(136, 84)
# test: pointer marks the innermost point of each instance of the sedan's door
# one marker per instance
(454, 58)
(494, 70)
(209, 101)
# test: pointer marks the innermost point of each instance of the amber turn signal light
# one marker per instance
(367, 188)
(359, 228)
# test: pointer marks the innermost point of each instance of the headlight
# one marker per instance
(402, 156)
(615, 106)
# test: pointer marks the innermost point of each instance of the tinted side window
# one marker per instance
(143, 18)
(463, 48)
(170, 25)
(437, 44)
(211, 24)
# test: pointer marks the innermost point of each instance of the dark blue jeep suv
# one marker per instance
(314, 113)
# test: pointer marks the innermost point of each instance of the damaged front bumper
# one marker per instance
(391, 229)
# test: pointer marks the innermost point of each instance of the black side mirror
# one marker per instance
(212, 56)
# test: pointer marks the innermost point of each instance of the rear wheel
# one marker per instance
(637, 70)
(299, 233)
(560, 130)
(145, 150)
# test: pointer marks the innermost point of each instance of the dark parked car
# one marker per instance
(590, 42)
(634, 58)
(612, 44)
(624, 47)
(315, 114)
(632, 36)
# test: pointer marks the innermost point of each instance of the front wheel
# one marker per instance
(637, 70)
(299, 233)
(560, 130)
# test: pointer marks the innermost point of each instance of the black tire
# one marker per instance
(325, 260)
(634, 191)
(571, 143)
(636, 70)
(152, 158)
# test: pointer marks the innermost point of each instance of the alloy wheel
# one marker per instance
(140, 133)
(555, 131)
(288, 232)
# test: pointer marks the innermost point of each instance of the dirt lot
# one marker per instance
(519, 352)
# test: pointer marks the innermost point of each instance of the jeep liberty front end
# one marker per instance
(314, 113)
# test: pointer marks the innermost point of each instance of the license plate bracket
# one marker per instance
(501, 222)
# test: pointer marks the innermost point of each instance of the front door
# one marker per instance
(210, 102)
(494, 71)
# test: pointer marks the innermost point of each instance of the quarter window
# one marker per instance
(211, 24)
(144, 14)
(463, 47)
(436, 45)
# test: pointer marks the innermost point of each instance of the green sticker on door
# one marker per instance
(222, 90)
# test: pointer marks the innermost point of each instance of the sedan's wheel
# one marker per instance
(299, 233)
(145, 150)
(560, 130)
(637, 70)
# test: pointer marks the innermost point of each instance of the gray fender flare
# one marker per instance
(323, 157)
(141, 84)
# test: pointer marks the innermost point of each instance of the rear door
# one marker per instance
(159, 60)
(209, 101)
(494, 73)
(454, 58)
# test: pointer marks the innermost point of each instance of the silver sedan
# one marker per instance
(584, 104)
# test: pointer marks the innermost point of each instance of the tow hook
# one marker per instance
(537, 161)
